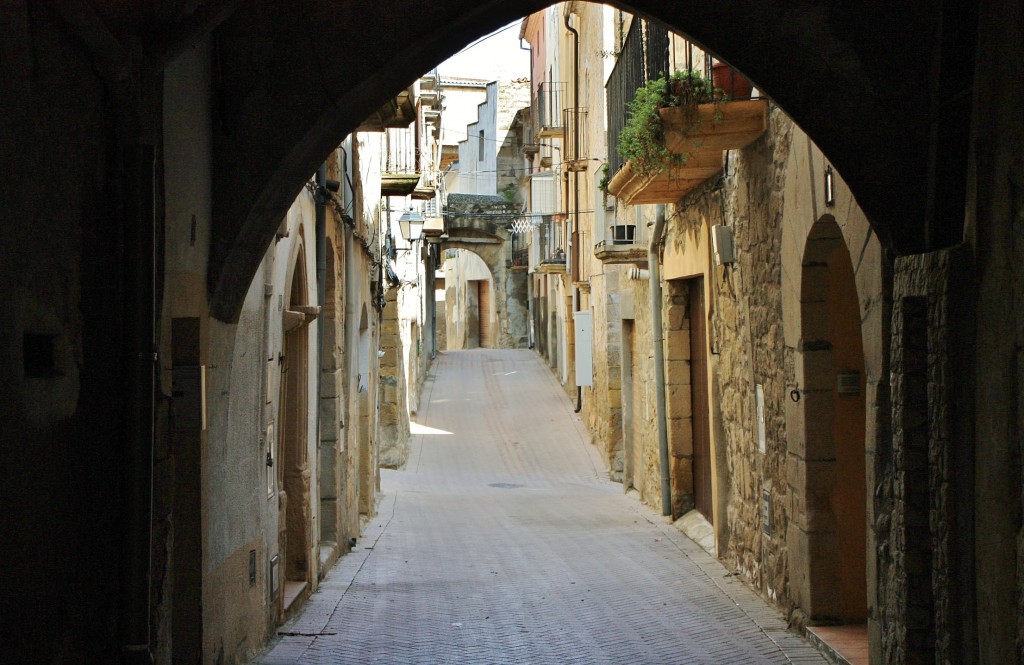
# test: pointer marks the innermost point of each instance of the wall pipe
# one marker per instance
(321, 281)
(574, 255)
(659, 358)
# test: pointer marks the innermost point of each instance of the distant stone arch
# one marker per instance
(483, 225)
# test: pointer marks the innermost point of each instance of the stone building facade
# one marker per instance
(769, 466)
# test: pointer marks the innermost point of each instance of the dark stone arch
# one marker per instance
(293, 79)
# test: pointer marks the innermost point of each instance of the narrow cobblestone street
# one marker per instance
(503, 541)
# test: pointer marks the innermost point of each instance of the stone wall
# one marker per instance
(925, 493)
(394, 415)
(602, 403)
(645, 470)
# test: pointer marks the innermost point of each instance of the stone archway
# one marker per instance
(279, 119)
(482, 225)
(828, 476)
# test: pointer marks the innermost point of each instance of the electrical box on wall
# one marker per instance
(721, 242)
(584, 348)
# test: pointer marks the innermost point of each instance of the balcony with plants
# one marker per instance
(667, 134)
(551, 243)
(675, 135)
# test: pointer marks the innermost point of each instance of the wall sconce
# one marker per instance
(830, 192)
(411, 225)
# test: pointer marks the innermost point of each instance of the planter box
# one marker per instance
(668, 186)
(739, 123)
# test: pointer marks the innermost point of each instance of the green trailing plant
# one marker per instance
(642, 140)
(509, 192)
(603, 184)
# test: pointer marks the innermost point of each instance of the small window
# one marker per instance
(481, 146)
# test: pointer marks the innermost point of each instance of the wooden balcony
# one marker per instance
(667, 186)
(716, 127)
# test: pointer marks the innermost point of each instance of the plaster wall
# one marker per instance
(478, 152)
(460, 98)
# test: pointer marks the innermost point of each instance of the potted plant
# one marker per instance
(642, 140)
(735, 85)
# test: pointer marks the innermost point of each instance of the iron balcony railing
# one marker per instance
(403, 151)
(551, 239)
(630, 73)
(577, 148)
(548, 107)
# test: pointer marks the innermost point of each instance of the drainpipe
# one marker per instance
(321, 278)
(575, 254)
(320, 230)
(659, 358)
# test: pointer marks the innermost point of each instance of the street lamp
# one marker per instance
(411, 225)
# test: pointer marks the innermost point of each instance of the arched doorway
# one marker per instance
(470, 301)
(293, 465)
(829, 557)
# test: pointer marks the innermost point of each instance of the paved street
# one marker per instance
(502, 541)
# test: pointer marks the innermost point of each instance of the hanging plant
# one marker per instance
(642, 140)
(603, 184)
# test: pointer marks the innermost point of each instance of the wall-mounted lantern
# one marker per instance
(411, 225)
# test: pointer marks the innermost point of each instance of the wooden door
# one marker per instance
(702, 495)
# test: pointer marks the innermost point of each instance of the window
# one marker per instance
(481, 146)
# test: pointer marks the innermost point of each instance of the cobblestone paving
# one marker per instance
(502, 541)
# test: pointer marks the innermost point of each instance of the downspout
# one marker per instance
(574, 256)
(321, 280)
(659, 358)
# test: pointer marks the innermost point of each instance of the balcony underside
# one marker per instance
(423, 193)
(551, 267)
(551, 133)
(398, 112)
(612, 254)
(665, 187)
(398, 184)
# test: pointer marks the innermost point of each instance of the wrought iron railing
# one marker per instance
(625, 79)
(403, 151)
(548, 107)
(551, 236)
(576, 145)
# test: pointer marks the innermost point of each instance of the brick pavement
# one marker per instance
(502, 541)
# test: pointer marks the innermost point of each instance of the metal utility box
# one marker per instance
(721, 241)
